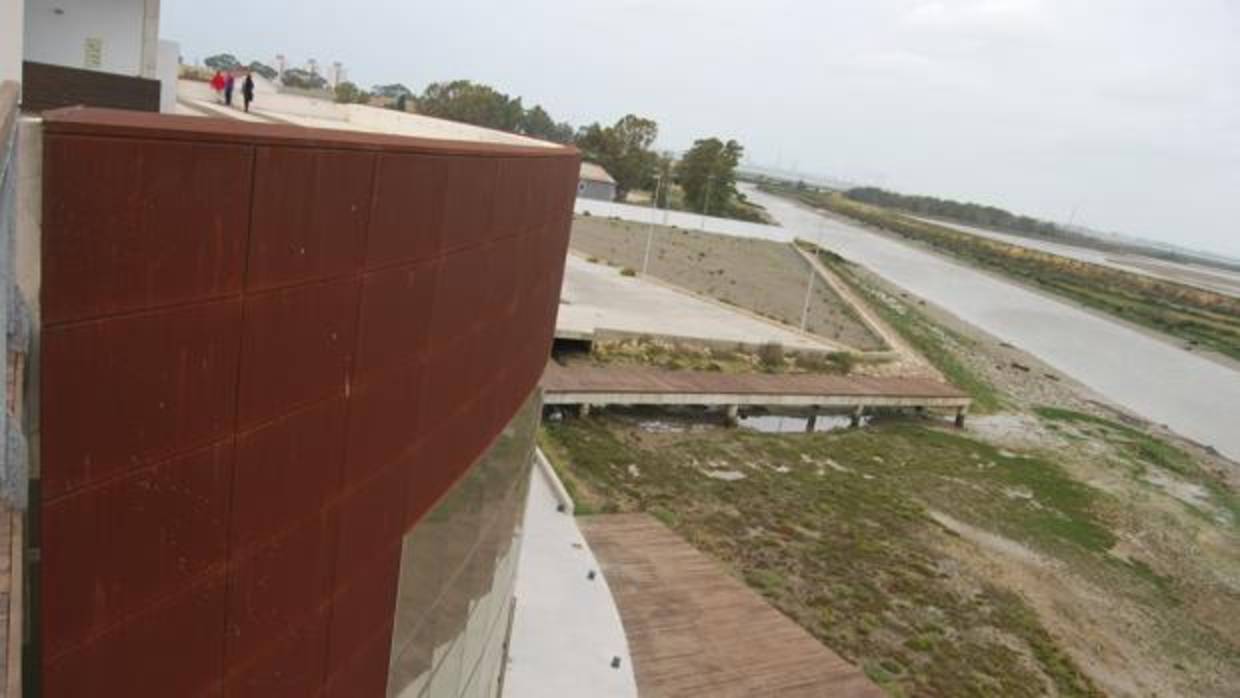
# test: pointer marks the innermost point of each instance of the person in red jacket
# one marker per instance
(217, 84)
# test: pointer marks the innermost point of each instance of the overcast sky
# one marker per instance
(1126, 110)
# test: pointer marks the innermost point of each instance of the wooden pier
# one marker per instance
(588, 386)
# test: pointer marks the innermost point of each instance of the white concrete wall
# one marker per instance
(61, 39)
(11, 39)
(150, 55)
(166, 71)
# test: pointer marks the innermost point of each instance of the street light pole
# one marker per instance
(654, 201)
(809, 288)
(809, 285)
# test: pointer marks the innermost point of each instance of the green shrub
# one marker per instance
(843, 360)
(771, 355)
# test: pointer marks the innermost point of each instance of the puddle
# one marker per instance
(779, 424)
(660, 427)
(1186, 492)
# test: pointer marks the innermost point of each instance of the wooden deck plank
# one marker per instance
(632, 379)
(693, 630)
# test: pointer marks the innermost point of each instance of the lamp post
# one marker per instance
(809, 288)
(654, 201)
(809, 285)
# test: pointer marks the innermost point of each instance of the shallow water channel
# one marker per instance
(1193, 395)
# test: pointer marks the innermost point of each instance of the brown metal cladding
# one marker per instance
(132, 225)
(267, 352)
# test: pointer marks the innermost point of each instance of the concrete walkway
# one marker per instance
(597, 299)
(566, 631)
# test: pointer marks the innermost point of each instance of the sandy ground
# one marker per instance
(1127, 646)
(765, 277)
(596, 298)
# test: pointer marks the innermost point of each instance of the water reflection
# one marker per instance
(457, 571)
(785, 424)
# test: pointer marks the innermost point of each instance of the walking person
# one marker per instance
(228, 89)
(217, 84)
(247, 90)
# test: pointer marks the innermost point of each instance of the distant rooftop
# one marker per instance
(595, 173)
(196, 98)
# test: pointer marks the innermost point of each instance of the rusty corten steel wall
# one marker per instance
(266, 352)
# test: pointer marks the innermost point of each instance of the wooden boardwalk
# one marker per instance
(693, 630)
(628, 385)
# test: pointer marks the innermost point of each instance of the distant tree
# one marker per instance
(471, 103)
(393, 91)
(707, 173)
(970, 213)
(263, 69)
(222, 61)
(402, 102)
(537, 123)
(349, 93)
(624, 150)
(304, 79)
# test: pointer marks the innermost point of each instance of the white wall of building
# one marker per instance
(67, 32)
(11, 39)
(166, 71)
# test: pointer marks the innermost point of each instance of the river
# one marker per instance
(1154, 378)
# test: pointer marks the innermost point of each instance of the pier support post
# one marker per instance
(733, 415)
(854, 420)
(811, 423)
(960, 414)
(584, 410)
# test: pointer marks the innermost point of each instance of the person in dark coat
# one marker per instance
(228, 89)
(247, 90)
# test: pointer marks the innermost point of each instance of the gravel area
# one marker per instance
(765, 277)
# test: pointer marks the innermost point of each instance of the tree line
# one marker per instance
(702, 180)
(706, 173)
(962, 212)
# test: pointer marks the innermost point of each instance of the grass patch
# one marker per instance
(558, 460)
(833, 529)
(1136, 443)
(767, 358)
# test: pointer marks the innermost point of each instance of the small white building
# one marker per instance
(595, 183)
(93, 52)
